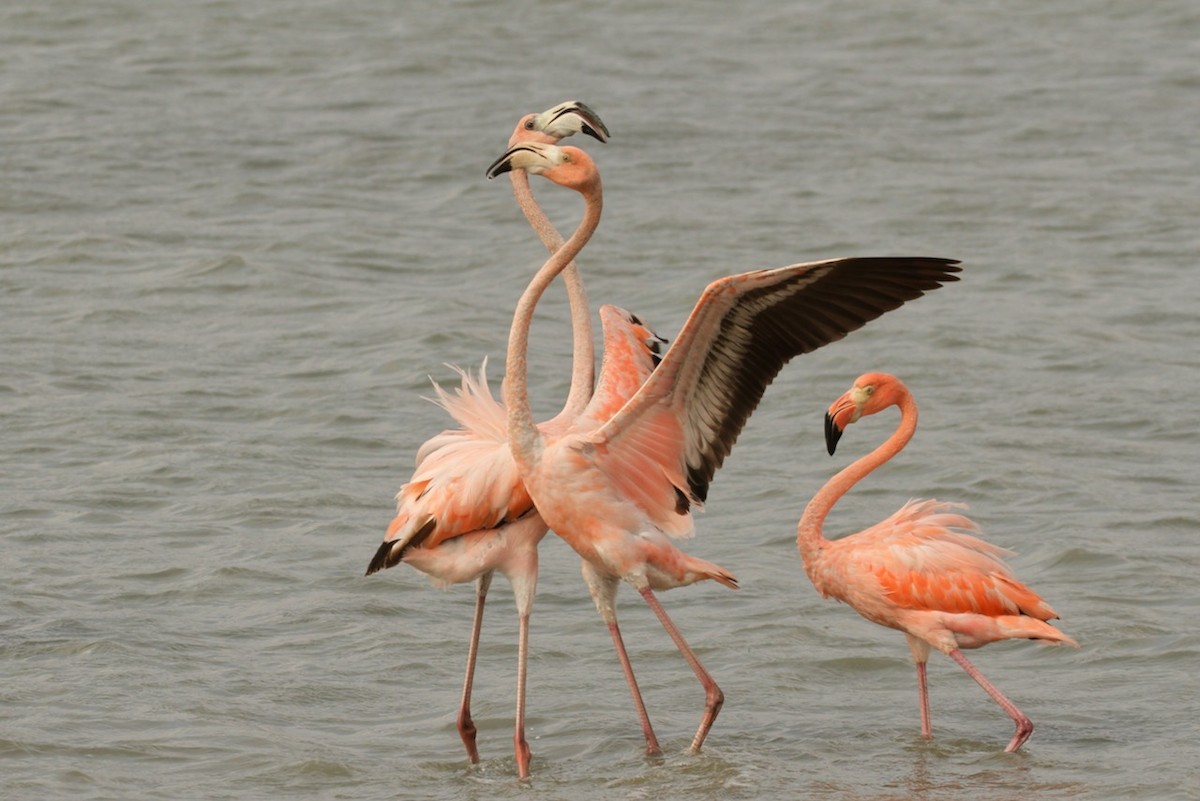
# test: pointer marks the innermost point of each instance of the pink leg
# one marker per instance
(713, 697)
(466, 726)
(923, 689)
(652, 748)
(520, 746)
(1024, 724)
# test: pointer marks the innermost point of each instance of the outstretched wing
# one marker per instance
(742, 331)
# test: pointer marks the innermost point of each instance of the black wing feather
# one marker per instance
(770, 325)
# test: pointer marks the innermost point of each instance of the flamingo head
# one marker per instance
(871, 393)
(566, 166)
(558, 123)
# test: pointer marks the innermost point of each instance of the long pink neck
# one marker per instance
(583, 360)
(809, 533)
(523, 436)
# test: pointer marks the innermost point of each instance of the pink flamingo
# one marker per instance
(619, 493)
(465, 513)
(918, 571)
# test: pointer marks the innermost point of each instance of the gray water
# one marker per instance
(238, 238)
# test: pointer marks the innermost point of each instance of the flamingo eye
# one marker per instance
(869, 391)
(529, 124)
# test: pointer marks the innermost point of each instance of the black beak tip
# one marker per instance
(499, 167)
(590, 122)
(594, 133)
(832, 434)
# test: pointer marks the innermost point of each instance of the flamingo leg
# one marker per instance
(920, 655)
(1022, 721)
(603, 589)
(520, 745)
(652, 748)
(466, 726)
(923, 690)
(713, 697)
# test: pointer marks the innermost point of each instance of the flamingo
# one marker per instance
(919, 570)
(464, 513)
(621, 491)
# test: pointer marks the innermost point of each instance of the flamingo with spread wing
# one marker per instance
(620, 493)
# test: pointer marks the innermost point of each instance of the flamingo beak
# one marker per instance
(500, 166)
(572, 117)
(844, 411)
(832, 434)
(524, 156)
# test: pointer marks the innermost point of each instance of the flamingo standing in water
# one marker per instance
(619, 492)
(465, 514)
(919, 571)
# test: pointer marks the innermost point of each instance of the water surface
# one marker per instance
(238, 239)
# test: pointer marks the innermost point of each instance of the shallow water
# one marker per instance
(235, 243)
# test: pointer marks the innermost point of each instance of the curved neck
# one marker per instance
(583, 358)
(809, 533)
(523, 436)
